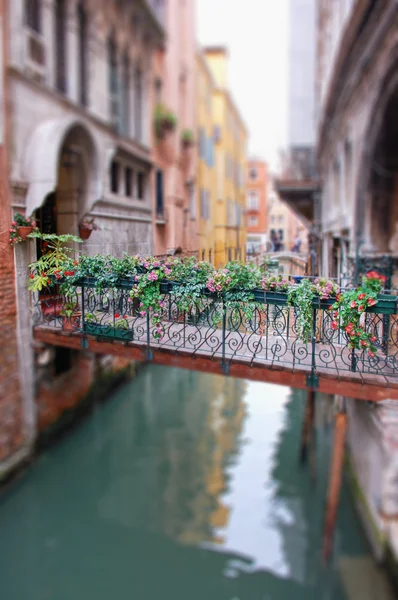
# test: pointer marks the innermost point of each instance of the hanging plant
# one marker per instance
(56, 264)
(164, 121)
(21, 227)
(301, 298)
(187, 138)
(349, 308)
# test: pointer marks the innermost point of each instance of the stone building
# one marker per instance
(173, 88)
(356, 101)
(257, 178)
(357, 143)
(77, 134)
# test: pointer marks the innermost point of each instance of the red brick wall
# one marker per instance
(11, 424)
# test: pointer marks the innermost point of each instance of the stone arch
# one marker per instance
(375, 194)
(44, 151)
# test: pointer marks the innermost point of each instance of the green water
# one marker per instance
(184, 486)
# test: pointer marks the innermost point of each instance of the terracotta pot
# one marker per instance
(24, 231)
(84, 233)
(71, 323)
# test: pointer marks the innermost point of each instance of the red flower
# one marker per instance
(371, 302)
(373, 338)
(117, 315)
(338, 297)
(75, 263)
(361, 308)
(364, 344)
(353, 304)
(371, 354)
(335, 325)
(43, 274)
(71, 272)
(32, 276)
(361, 296)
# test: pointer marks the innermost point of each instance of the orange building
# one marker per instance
(257, 206)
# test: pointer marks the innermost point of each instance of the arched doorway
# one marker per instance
(383, 185)
(61, 164)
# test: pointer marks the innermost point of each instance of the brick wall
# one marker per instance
(11, 422)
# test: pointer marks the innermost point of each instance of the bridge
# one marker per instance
(210, 337)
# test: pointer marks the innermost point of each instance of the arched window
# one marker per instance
(33, 14)
(82, 58)
(60, 45)
(138, 112)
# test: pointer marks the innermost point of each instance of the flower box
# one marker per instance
(108, 331)
(386, 305)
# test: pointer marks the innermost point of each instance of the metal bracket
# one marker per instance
(225, 366)
(83, 342)
(313, 381)
(149, 354)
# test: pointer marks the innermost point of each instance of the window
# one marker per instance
(113, 83)
(128, 182)
(141, 185)
(82, 54)
(202, 143)
(253, 200)
(138, 115)
(60, 45)
(159, 194)
(115, 175)
(204, 204)
(281, 235)
(281, 218)
(230, 216)
(33, 14)
(229, 254)
(253, 173)
(158, 91)
(203, 255)
(273, 219)
(126, 96)
(253, 221)
(210, 257)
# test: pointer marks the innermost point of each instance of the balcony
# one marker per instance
(299, 184)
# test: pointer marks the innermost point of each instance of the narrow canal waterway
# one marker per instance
(184, 486)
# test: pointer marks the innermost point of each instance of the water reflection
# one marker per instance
(185, 485)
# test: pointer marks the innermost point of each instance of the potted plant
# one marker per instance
(56, 265)
(86, 227)
(165, 121)
(187, 139)
(21, 227)
(70, 316)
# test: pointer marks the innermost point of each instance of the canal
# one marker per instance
(184, 486)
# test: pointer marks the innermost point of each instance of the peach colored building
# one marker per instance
(175, 164)
(256, 206)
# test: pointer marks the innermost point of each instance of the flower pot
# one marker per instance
(71, 323)
(84, 233)
(24, 231)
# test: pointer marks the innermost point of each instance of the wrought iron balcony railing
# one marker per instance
(268, 337)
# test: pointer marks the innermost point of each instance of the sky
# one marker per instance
(256, 34)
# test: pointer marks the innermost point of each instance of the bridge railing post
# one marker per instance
(224, 365)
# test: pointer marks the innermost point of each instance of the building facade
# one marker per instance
(230, 140)
(257, 206)
(357, 133)
(77, 132)
(206, 166)
(173, 89)
(357, 95)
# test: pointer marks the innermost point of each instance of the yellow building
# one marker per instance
(222, 138)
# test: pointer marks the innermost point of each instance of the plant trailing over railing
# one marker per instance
(164, 121)
(187, 138)
(197, 285)
(21, 228)
(350, 307)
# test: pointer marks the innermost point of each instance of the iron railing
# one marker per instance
(267, 337)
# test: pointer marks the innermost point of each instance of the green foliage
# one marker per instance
(56, 263)
(20, 220)
(164, 120)
(187, 137)
(301, 298)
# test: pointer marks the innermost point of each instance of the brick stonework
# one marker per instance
(11, 425)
